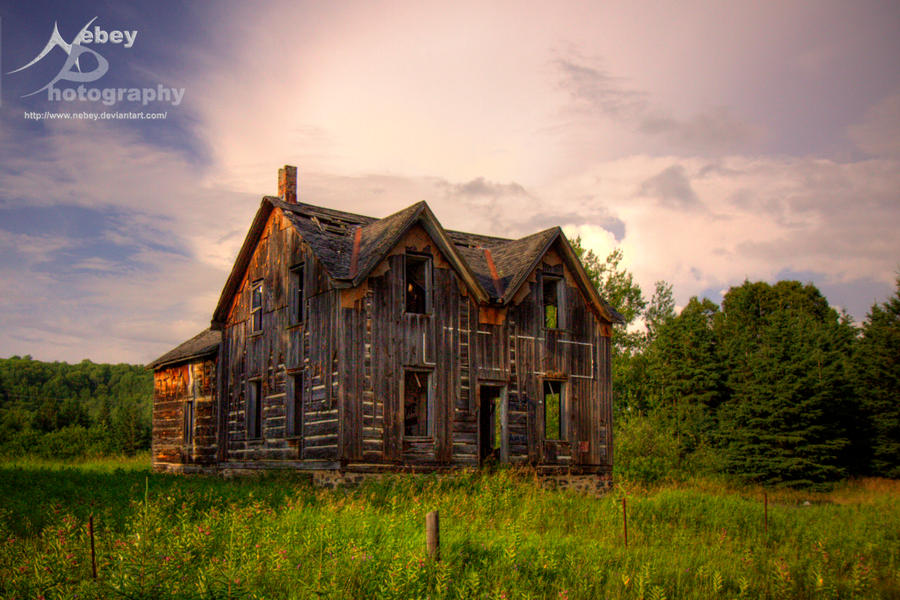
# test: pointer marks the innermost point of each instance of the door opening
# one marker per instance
(491, 425)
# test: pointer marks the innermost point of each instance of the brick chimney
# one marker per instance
(287, 184)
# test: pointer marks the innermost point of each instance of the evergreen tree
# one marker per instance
(687, 372)
(877, 380)
(661, 310)
(786, 349)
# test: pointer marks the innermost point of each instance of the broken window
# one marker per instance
(417, 404)
(298, 298)
(254, 410)
(256, 296)
(552, 302)
(418, 284)
(553, 410)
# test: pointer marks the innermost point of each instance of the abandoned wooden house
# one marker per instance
(344, 344)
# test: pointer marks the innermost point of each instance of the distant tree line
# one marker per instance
(774, 386)
(63, 410)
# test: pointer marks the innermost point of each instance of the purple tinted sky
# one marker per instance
(712, 141)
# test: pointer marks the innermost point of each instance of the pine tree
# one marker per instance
(877, 381)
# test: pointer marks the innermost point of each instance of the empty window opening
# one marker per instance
(296, 414)
(254, 410)
(417, 404)
(189, 422)
(553, 410)
(552, 294)
(418, 284)
(256, 295)
(299, 303)
(491, 421)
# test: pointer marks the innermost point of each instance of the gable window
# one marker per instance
(256, 300)
(297, 300)
(417, 282)
(553, 411)
(417, 405)
(552, 301)
(254, 410)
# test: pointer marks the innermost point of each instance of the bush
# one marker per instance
(644, 450)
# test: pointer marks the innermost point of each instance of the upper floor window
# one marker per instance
(256, 301)
(298, 304)
(417, 283)
(552, 300)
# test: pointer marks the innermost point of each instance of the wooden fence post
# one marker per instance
(93, 555)
(433, 535)
(625, 521)
(766, 513)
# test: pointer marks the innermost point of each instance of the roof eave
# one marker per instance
(607, 311)
(157, 364)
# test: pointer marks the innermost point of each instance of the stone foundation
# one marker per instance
(587, 483)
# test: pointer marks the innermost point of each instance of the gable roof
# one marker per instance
(203, 344)
(350, 246)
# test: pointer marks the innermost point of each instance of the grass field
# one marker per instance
(163, 536)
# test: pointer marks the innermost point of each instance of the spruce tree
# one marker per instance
(687, 373)
(786, 419)
(877, 380)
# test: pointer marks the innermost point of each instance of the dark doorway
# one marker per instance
(491, 430)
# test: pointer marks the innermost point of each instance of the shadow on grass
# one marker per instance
(34, 496)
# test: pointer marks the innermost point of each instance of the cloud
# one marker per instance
(594, 92)
(115, 260)
(764, 215)
(672, 188)
(879, 132)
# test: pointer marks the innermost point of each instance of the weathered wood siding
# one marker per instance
(184, 397)
(464, 346)
(380, 341)
(353, 348)
(578, 355)
(282, 349)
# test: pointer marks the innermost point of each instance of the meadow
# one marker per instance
(502, 536)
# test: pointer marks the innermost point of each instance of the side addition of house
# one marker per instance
(349, 344)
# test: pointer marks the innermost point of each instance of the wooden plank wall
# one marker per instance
(578, 355)
(281, 350)
(173, 388)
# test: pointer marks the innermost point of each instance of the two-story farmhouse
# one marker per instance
(349, 344)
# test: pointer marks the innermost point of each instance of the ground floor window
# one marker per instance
(553, 410)
(417, 409)
(254, 410)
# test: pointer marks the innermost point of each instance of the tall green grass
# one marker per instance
(501, 537)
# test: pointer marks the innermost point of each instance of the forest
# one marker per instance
(58, 410)
(772, 387)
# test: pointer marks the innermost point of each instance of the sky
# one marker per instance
(713, 142)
